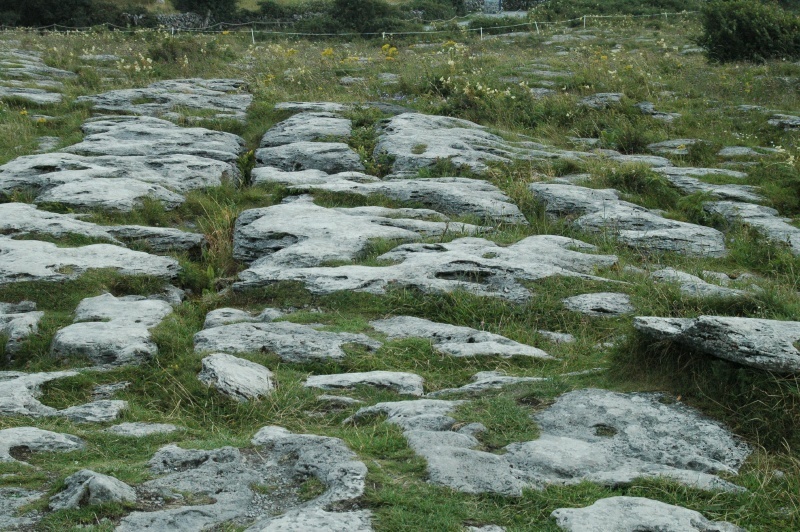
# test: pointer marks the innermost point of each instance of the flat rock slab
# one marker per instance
(11, 501)
(19, 392)
(648, 108)
(227, 477)
(308, 127)
(455, 340)
(473, 264)
(305, 519)
(176, 172)
(764, 219)
(111, 330)
(404, 383)
(228, 316)
(140, 430)
(148, 136)
(87, 488)
(300, 234)
(673, 146)
(602, 100)
(587, 435)
(631, 514)
(484, 381)
(417, 141)
(600, 304)
(32, 260)
(456, 196)
(26, 64)
(601, 211)
(292, 342)
(18, 322)
(101, 411)
(691, 185)
(35, 440)
(35, 96)
(694, 286)
(329, 157)
(216, 98)
(236, 377)
(761, 344)
(787, 122)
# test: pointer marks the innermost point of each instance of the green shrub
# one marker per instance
(77, 13)
(221, 10)
(747, 30)
(366, 16)
(433, 9)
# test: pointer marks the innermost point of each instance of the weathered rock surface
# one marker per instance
(764, 219)
(593, 435)
(11, 501)
(602, 100)
(601, 304)
(225, 98)
(602, 211)
(300, 234)
(673, 146)
(418, 141)
(292, 342)
(317, 519)
(35, 440)
(19, 392)
(473, 264)
(329, 157)
(455, 340)
(239, 378)
(227, 316)
(632, 514)
(227, 477)
(456, 196)
(691, 185)
(787, 122)
(158, 239)
(649, 108)
(486, 380)
(404, 383)
(758, 343)
(28, 64)
(147, 136)
(32, 260)
(100, 411)
(18, 321)
(308, 127)
(86, 488)
(111, 330)
(694, 286)
(140, 430)
(689, 171)
(35, 96)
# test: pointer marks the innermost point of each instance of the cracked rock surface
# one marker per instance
(239, 378)
(765, 219)
(609, 304)
(763, 344)
(403, 383)
(17, 322)
(473, 264)
(86, 488)
(455, 340)
(35, 440)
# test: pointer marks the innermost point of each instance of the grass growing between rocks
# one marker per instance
(466, 78)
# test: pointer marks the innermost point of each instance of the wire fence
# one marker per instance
(251, 27)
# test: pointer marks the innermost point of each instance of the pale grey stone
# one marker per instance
(35, 440)
(787, 122)
(300, 234)
(541, 92)
(148, 136)
(462, 142)
(11, 501)
(269, 434)
(107, 391)
(18, 322)
(317, 519)
(602, 100)
(691, 185)
(227, 316)
(450, 195)
(339, 400)
(269, 174)
(86, 488)
(486, 380)
(140, 430)
(758, 343)
(111, 330)
(176, 172)
(330, 157)
(239, 378)
(35, 96)
(19, 392)
(473, 264)
(745, 151)
(765, 219)
(601, 211)
(32, 260)
(673, 146)
(47, 144)
(121, 194)
(21, 219)
(649, 109)
(292, 342)
(100, 58)
(632, 514)
(486, 528)
(603, 304)
(227, 97)
(159, 239)
(95, 412)
(692, 285)
(455, 340)
(307, 127)
(556, 337)
(419, 414)
(684, 171)
(648, 160)
(312, 107)
(403, 383)
(29, 64)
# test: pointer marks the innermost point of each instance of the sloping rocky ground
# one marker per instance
(443, 326)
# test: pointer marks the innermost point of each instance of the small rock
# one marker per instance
(35, 440)
(86, 488)
(602, 100)
(140, 430)
(403, 383)
(241, 379)
(600, 304)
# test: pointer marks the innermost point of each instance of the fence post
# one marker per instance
(537, 27)
(584, 22)
(481, 33)
(172, 32)
(253, 33)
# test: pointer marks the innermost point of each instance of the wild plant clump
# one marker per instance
(743, 30)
